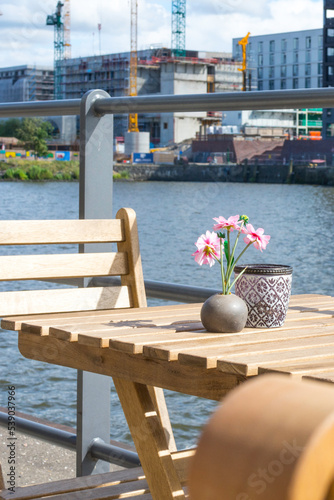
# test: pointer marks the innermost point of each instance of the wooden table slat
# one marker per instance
(158, 348)
(249, 366)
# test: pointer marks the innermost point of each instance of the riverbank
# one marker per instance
(39, 170)
(198, 172)
(29, 170)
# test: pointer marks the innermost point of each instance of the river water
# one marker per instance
(171, 216)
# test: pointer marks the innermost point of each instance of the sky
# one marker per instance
(210, 25)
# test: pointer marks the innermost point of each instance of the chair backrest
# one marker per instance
(126, 263)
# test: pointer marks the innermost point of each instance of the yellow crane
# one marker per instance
(243, 44)
(133, 117)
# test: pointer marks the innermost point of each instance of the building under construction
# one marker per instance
(26, 83)
(158, 72)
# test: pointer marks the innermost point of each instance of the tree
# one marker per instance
(9, 128)
(33, 133)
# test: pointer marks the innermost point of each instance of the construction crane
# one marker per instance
(133, 117)
(244, 43)
(178, 28)
(67, 29)
(59, 46)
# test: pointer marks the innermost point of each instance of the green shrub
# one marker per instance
(34, 173)
(124, 174)
(19, 174)
(116, 176)
(8, 174)
(46, 174)
(67, 176)
(75, 173)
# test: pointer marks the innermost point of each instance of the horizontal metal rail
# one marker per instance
(40, 108)
(220, 101)
(99, 450)
(164, 291)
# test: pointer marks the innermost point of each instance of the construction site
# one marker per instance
(197, 136)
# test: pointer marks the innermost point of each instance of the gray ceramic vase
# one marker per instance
(266, 289)
(224, 314)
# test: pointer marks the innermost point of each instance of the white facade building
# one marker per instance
(284, 60)
(281, 61)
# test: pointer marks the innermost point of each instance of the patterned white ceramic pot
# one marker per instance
(266, 289)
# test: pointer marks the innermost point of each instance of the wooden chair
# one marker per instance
(126, 263)
(271, 439)
(128, 483)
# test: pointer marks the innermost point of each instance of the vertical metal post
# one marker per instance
(95, 202)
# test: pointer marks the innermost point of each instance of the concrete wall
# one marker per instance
(273, 174)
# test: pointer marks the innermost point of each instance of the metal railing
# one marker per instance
(225, 101)
(95, 201)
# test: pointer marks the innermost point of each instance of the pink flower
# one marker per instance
(208, 247)
(228, 224)
(259, 240)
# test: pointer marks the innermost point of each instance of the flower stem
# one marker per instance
(229, 277)
(231, 257)
(222, 266)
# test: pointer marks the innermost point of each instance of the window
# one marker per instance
(295, 57)
(295, 43)
(283, 84)
(320, 68)
(330, 51)
(260, 47)
(320, 55)
(283, 71)
(320, 39)
(283, 45)
(308, 42)
(308, 82)
(319, 81)
(308, 56)
(283, 58)
(295, 70)
(165, 125)
(271, 59)
(260, 85)
(271, 72)
(295, 83)
(272, 46)
(330, 70)
(260, 60)
(271, 85)
(259, 73)
(307, 69)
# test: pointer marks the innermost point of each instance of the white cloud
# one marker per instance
(211, 25)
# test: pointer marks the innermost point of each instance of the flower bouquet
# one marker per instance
(229, 314)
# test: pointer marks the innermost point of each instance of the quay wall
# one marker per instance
(271, 174)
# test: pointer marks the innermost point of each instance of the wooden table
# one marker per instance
(167, 347)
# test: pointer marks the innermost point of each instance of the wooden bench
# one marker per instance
(125, 262)
(127, 483)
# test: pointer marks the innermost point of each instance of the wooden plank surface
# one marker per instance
(27, 267)
(61, 300)
(36, 232)
(96, 318)
(55, 320)
(206, 344)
